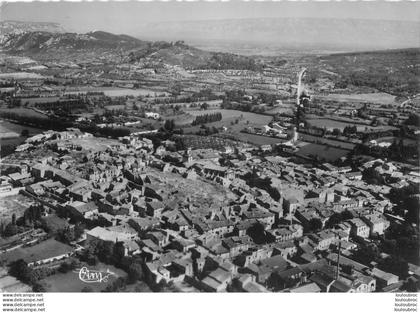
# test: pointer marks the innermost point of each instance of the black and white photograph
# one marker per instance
(209, 147)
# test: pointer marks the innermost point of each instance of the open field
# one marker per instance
(115, 92)
(21, 111)
(12, 130)
(258, 139)
(281, 109)
(21, 75)
(15, 204)
(234, 120)
(333, 143)
(331, 124)
(376, 98)
(324, 152)
(70, 282)
(96, 144)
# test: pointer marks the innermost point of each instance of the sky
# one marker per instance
(126, 17)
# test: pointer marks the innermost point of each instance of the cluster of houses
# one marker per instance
(216, 220)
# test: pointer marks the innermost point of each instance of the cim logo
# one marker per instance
(92, 276)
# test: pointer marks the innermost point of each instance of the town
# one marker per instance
(245, 176)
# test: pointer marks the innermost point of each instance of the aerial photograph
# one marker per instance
(209, 147)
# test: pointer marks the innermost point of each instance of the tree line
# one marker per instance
(207, 118)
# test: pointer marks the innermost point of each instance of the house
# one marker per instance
(384, 279)
(377, 224)
(359, 228)
(286, 279)
(79, 210)
(159, 238)
(265, 217)
(291, 204)
(268, 266)
(154, 208)
(109, 235)
(216, 281)
(307, 288)
(285, 233)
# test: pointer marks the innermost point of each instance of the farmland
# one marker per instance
(11, 130)
(27, 112)
(323, 152)
(331, 124)
(116, 92)
(234, 120)
(375, 98)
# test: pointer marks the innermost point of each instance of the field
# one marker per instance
(234, 120)
(258, 139)
(324, 152)
(20, 75)
(23, 112)
(70, 282)
(406, 141)
(376, 98)
(15, 204)
(324, 141)
(283, 109)
(12, 130)
(331, 124)
(115, 92)
(95, 144)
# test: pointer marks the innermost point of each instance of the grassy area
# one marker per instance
(331, 124)
(235, 121)
(377, 98)
(15, 204)
(324, 152)
(70, 282)
(10, 130)
(45, 250)
(23, 112)
(258, 139)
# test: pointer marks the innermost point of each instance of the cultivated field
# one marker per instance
(324, 152)
(234, 120)
(115, 92)
(376, 98)
(332, 124)
(12, 130)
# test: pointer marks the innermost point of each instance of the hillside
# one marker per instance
(391, 71)
(16, 27)
(119, 48)
(41, 41)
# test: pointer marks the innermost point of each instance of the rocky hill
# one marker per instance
(125, 49)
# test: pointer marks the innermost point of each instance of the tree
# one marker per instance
(87, 289)
(315, 224)
(135, 272)
(22, 271)
(333, 220)
(169, 125)
(346, 215)
(24, 133)
(336, 132)
(10, 230)
(39, 287)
